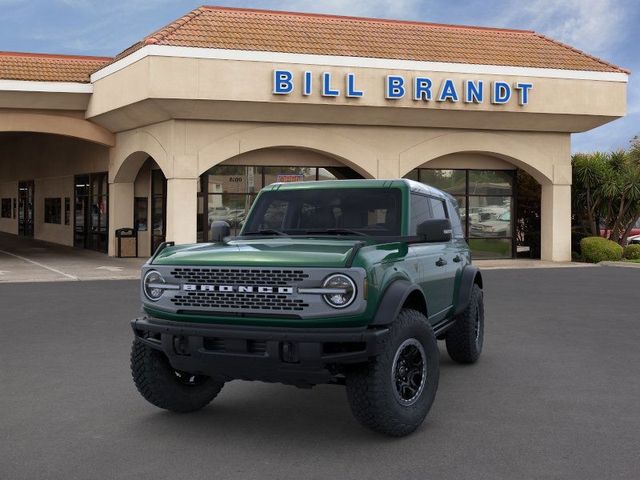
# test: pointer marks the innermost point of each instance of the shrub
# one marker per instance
(632, 252)
(598, 249)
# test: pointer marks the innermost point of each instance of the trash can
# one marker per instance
(127, 242)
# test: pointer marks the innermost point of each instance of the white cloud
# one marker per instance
(592, 25)
(402, 9)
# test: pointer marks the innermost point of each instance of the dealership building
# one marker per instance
(184, 127)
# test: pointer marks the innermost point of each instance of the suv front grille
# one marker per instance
(241, 276)
(238, 301)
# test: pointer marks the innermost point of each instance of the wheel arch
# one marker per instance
(398, 295)
(470, 276)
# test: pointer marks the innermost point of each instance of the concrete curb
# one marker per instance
(620, 264)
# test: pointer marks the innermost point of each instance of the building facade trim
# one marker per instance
(344, 61)
(47, 87)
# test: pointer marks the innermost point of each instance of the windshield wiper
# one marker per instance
(338, 231)
(267, 231)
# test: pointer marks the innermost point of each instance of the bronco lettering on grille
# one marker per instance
(237, 288)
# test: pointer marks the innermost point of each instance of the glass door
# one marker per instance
(91, 226)
(81, 211)
(158, 209)
(25, 208)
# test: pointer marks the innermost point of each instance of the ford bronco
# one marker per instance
(347, 282)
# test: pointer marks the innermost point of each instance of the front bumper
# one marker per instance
(298, 356)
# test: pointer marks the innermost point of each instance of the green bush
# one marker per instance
(632, 252)
(598, 249)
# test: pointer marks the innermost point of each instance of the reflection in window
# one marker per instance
(226, 192)
(485, 199)
(450, 181)
(490, 217)
(437, 208)
(420, 212)
(140, 216)
(490, 182)
(371, 211)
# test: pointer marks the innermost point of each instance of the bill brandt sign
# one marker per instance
(420, 88)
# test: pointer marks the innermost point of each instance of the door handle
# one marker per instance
(441, 262)
(457, 258)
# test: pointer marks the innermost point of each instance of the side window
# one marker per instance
(420, 211)
(454, 216)
(437, 206)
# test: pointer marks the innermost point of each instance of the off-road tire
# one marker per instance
(464, 342)
(161, 386)
(371, 388)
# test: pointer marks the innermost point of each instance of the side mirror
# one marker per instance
(219, 230)
(435, 230)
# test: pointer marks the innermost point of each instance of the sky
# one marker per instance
(604, 28)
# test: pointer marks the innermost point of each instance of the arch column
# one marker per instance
(555, 221)
(120, 211)
(182, 210)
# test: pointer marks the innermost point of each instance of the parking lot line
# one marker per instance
(59, 272)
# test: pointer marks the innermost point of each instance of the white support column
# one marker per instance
(555, 232)
(182, 210)
(120, 211)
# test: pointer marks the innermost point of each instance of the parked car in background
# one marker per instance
(635, 240)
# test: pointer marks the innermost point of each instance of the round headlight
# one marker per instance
(150, 285)
(343, 291)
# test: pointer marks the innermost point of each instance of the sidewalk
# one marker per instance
(28, 260)
(526, 263)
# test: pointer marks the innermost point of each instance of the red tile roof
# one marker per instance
(48, 68)
(274, 31)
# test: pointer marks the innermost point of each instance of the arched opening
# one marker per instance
(139, 201)
(499, 202)
(53, 186)
(226, 191)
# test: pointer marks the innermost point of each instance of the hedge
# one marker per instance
(632, 252)
(598, 249)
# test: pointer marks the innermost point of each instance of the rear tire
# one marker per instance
(465, 338)
(393, 393)
(163, 386)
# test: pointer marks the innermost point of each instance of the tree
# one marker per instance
(607, 187)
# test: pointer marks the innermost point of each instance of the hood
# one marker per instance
(271, 252)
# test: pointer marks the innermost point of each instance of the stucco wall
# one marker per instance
(52, 161)
(53, 187)
(9, 190)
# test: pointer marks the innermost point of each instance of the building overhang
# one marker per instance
(158, 83)
(45, 95)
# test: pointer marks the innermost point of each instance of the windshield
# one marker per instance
(330, 211)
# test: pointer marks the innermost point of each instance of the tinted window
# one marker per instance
(420, 211)
(437, 207)
(372, 211)
(454, 216)
(52, 210)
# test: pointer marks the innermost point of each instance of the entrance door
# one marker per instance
(158, 209)
(91, 212)
(25, 208)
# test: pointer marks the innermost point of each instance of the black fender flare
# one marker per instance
(392, 301)
(470, 275)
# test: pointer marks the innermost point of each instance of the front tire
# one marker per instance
(393, 393)
(465, 338)
(163, 386)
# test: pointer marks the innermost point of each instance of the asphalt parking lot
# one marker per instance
(555, 395)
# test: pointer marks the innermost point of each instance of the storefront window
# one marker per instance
(6, 208)
(451, 181)
(140, 214)
(226, 192)
(485, 199)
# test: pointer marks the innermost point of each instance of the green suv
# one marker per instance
(347, 282)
